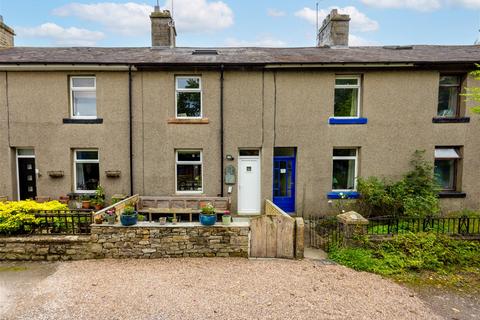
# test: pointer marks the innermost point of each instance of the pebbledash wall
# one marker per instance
(144, 242)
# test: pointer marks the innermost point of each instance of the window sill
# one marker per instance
(334, 120)
(188, 121)
(82, 121)
(349, 194)
(451, 194)
(450, 120)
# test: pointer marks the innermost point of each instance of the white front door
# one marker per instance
(249, 185)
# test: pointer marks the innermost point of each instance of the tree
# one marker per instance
(473, 94)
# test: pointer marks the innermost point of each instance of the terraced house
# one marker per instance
(296, 125)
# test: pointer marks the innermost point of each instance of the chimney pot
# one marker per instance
(334, 30)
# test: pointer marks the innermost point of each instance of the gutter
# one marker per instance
(65, 67)
(130, 126)
(222, 67)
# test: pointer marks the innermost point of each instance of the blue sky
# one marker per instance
(240, 22)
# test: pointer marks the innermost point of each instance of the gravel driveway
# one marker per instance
(212, 289)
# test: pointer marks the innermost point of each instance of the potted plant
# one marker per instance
(110, 216)
(99, 200)
(129, 216)
(226, 218)
(98, 219)
(85, 202)
(208, 217)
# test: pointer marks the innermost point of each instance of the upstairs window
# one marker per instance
(347, 97)
(449, 96)
(189, 171)
(188, 97)
(446, 168)
(344, 169)
(83, 97)
(86, 170)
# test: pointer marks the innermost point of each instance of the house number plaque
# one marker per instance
(230, 174)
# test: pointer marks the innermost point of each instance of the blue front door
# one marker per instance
(284, 183)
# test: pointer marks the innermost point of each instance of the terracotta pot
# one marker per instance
(86, 204)
(98, 219)
(98, 207)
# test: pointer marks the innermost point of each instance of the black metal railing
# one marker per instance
(324, 232)
(60, 222)
(465, 226)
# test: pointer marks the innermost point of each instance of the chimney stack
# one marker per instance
(334, 30)
(163, 28)
(6, 35)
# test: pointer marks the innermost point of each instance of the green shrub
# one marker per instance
(415, 195)
(410, 253)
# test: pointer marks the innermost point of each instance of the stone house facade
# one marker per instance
(296, 125)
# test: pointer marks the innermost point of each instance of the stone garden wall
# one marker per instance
(183, 240)
(46, 248)
(145, 240)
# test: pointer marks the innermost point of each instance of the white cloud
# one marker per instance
(276, 13)
(132, 18)
(62, 36)
(356, 41)
(471, 4)
(359, 21)
(264, 41)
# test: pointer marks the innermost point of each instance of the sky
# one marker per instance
(223, 23)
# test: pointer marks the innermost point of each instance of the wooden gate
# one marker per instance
(275, 234)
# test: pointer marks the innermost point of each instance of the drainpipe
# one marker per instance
(221, 128)
(130, 119)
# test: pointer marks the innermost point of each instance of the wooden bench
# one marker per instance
(179, 207)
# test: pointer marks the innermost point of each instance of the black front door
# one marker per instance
(26, 178)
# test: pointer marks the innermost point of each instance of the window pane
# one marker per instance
(246, 153)
(344, 152)
(87, 155)
(449, 80)
(84, 103)
(445, 173)
(189, 177)
(343, 82)
(87, 176)
(343, 175)
(25, 152)
(284, 152)
(188, 104)
(346, 102)
(188, 156)
(188, 83)
(447, 101)
(83, 82)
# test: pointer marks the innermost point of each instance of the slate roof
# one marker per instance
(418, 54)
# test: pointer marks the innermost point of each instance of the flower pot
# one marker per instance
(86, 204)
(208, 219)
(226, 219)
(162, 220)
(98, 219)
(78, 205)
(111, 219)
(128, 220)
(98, 207)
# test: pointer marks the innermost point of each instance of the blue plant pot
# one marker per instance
(208, 220)
(128, 220)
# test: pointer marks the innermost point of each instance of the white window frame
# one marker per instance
(75, 161)
(355, 157)
(349, 86)
(178, 90)
(85, 89)
(177, 162)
